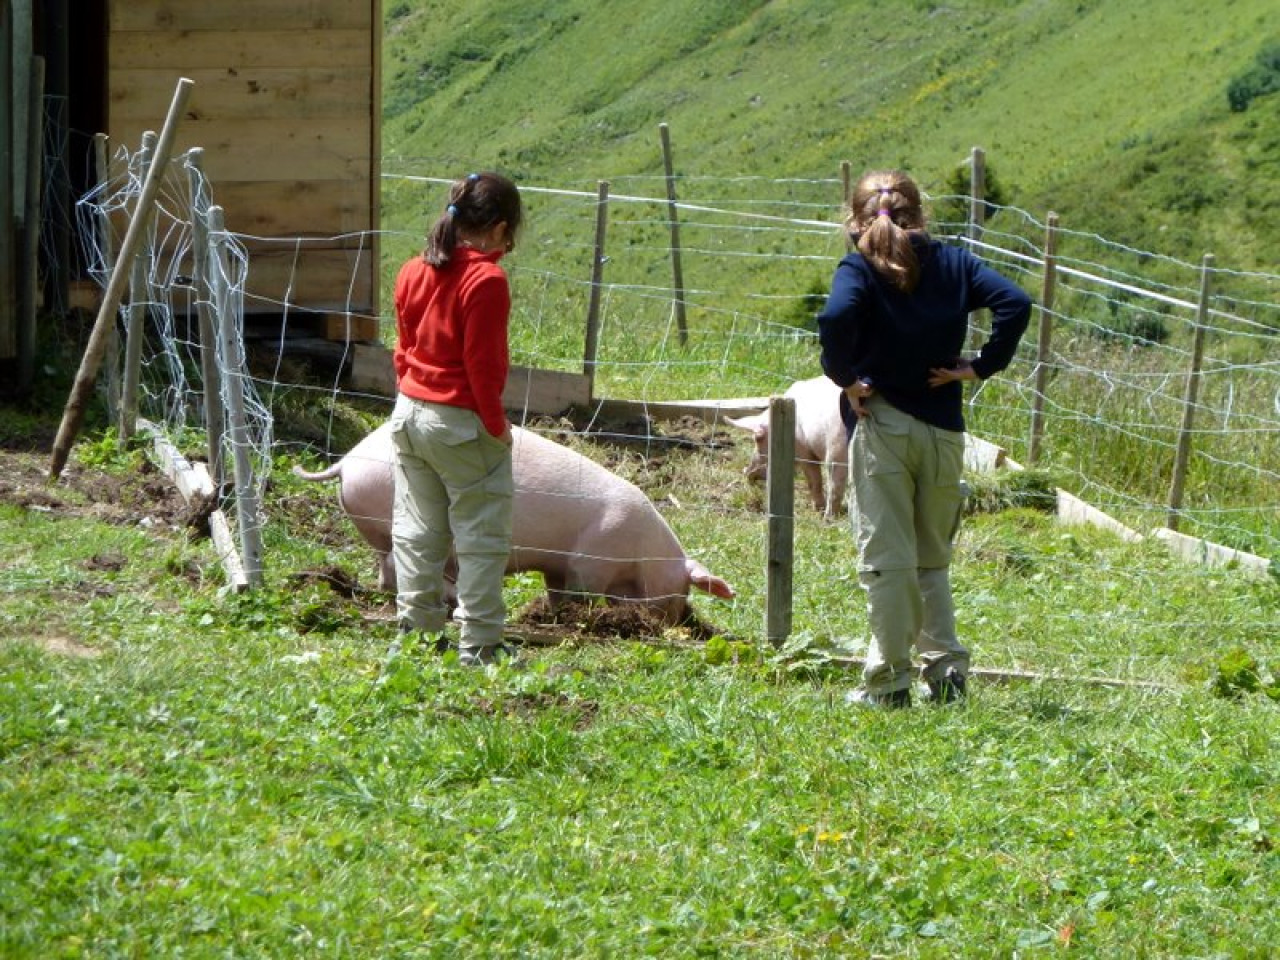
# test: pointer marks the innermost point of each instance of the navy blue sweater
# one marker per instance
(871, 329)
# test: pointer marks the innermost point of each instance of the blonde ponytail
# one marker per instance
(884, 212)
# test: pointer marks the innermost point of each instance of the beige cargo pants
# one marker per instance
(907, 500)
(453, 487)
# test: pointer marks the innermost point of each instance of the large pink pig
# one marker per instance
(585, 529)
(821, 442)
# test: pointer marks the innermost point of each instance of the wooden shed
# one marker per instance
(285, 105)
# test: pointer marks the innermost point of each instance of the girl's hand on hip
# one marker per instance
(961, 370)
(858, 391)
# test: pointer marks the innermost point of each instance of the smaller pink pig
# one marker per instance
(821, 443)
(585, 529)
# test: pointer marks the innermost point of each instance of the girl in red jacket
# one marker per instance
(452, 439)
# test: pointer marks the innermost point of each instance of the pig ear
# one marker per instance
(708, 582)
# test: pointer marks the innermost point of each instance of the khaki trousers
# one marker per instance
(907, 500)
(453, 487)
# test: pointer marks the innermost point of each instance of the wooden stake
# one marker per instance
(247, 506)
(8, 237)
(136, 314)
(677, 270)
(29, 281)
(77, 401)
(597, 277)
(106, 242)
(214, 422)
(781, 479)
(1049, 285)
(1192, 391)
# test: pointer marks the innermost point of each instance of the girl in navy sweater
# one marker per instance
(892, 333)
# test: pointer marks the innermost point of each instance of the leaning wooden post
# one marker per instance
(31, 229)
(781, 479)
(1048, 286)
(977, 214)
(677, 270)
(213, 420)
(139, 303)
(77, 401)
(1190, 395)
(597, 277)
(247, 506)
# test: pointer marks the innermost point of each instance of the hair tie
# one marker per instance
(473, 176)
(451, 210)
(883, 212)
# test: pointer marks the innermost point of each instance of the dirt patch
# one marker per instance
(66, 647)
(625, 621)
(527, 706)
(142, 497)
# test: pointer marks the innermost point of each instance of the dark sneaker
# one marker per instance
(484, 656)
(893, 700)
(950, 688)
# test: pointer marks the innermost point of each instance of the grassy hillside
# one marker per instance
(1114, 114)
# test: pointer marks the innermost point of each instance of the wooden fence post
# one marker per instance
(247, 506)
(139, 301)
(1189, 398)
(8, 237)
(597, 276)
(29, 281)
(977, 216)
(1048, 286)
(214, 422)
(106, 242)
(781, 480)
(59, 212)
(73, 412)
(677, 270)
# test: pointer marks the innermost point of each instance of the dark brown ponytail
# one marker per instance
(476, 203)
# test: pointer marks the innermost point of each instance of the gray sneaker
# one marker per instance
(893, 700)
(486, 655)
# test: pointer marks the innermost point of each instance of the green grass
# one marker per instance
(187, 771)
(1134, 142)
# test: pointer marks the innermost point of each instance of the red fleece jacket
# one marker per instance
(451, 326)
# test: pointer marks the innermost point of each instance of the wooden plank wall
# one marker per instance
(286, 107)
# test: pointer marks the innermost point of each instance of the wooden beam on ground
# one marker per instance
(195, 485)
(1211, 554)
(1071, 509)
(529, 391)
(712, 411)
(1027, 676)
(982, 456)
